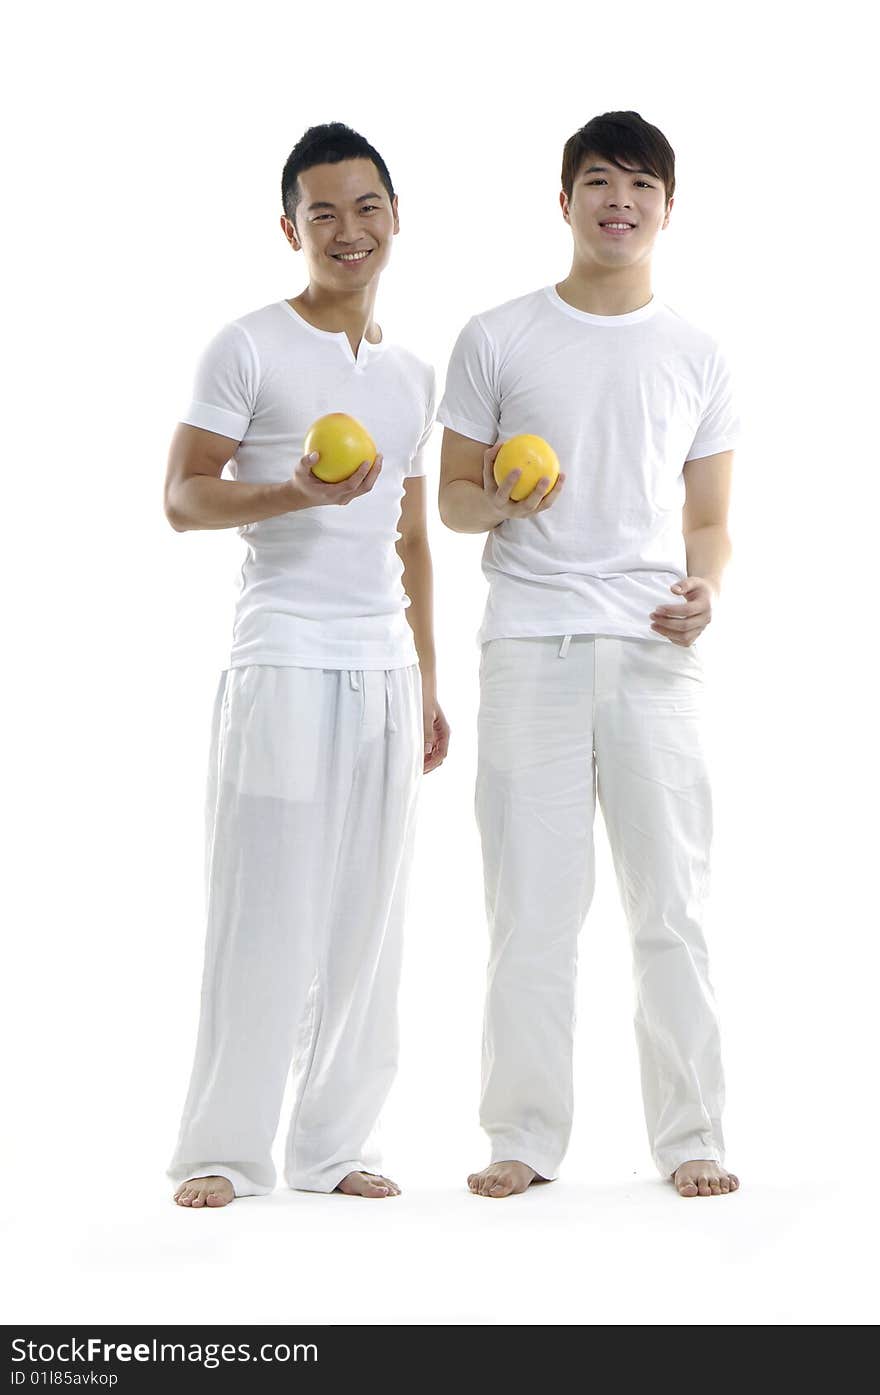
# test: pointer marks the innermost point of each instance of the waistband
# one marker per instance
(354, 677)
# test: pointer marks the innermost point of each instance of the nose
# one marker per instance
(348, 231)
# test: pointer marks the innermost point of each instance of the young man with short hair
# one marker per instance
(590, 680)
(327, 715)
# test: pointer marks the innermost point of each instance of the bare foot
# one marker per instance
(205, 1191)
(368, 1184)
(704, 1178)
(503, 1179)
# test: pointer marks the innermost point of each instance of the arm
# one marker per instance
(463, 502)
(196, 496)
(707, 547)
(415, 553)
(704, 518)
(470, 500)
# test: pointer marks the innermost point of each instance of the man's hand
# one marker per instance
(499, 494)
(308, 492)
(436, 730)
(685, 623)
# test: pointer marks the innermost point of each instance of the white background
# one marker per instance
(142, 181)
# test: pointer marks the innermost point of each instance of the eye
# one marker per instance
(369, 207)
(321, 216)
(638, 181)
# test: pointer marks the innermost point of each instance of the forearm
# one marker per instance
(418, 583)
(201, 501)
(465, 509)
(708, 552)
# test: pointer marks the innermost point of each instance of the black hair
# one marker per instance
(326, 145)
(624, 139)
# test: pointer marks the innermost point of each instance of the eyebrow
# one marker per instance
(593, 169)
(324, 204)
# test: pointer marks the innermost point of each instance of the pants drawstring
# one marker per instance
(389, 718)
(354, 680)
(563, 648)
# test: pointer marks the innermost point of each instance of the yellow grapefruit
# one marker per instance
(534, 457)
(342, 443)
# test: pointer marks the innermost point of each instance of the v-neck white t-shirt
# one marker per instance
(320, 587)
(625, 401)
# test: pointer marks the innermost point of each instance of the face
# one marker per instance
(344, 211)
(603, 193)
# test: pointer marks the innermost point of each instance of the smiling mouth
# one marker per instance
(351, 256)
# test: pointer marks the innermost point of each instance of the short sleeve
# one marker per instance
(471, 403)
(225, 385)
(418, 465)
(720, 426)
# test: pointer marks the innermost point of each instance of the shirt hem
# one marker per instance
(714, 448)
(560, 628)
(467, 428)
(356, 662)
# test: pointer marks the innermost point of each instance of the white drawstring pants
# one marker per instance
(561, 719)
(311, 803)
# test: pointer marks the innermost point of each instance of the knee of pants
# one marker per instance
(527, 962)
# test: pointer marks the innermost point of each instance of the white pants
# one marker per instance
(311, 802)
(560, 719)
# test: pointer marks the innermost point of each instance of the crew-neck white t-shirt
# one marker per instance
(625, 401)
(320, 587)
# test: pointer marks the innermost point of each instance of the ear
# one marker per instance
(394, 211)
(289, 230)
(563, 204)
(668, 211)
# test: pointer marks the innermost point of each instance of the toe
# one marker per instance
(703, 1186)
(725, 1184)
(688, 1188)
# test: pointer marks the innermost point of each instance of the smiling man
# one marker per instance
(591, 678)
(327, 716)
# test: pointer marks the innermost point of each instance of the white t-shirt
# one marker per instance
(625, 401)
(320, 587)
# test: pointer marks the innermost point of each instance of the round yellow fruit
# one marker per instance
(534, 457)
(343, 445)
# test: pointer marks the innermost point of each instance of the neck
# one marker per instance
(601, 290)
(351, 314)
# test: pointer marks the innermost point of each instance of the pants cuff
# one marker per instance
(670, 1160)
(325, 1179)
(241, 1185)
(525, 1150)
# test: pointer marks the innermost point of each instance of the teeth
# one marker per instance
(617, 225)
(350, 256)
